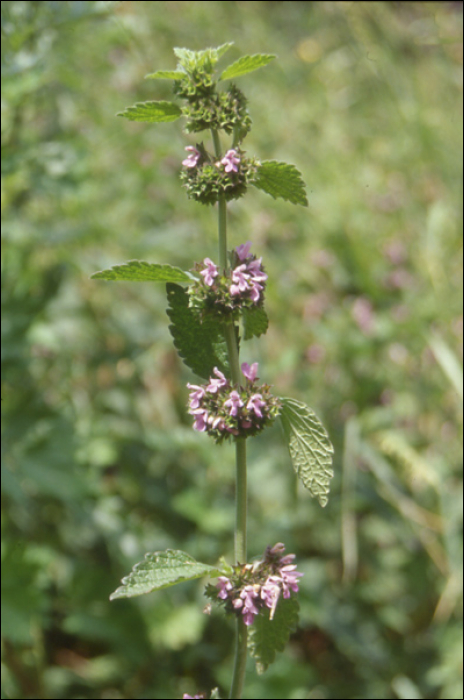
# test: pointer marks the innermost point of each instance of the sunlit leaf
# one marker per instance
(281, 180)
(246, 64)
(141, 271)
(160, 570)
(310, 448)
(154, 111)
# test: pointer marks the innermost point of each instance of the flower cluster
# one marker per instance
(259, 585)
(206, 108)
(207, 178)
(225, 411)
(227, 294)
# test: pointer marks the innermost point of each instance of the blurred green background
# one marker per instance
(99, 461)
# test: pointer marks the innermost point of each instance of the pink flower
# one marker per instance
(270, 593)
(240, 280)
(250, 372)
(216, 384)
(201, 418)
(192, 160)
(255, 292)
(254, 268)
(210, 272)
(289, 579)
(243, 250)
(224, 585)
(196, 395)
(249, 609)
(234, 401)
(256, 403)
(231, 161)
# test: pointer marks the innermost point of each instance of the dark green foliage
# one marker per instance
(255, 322)
(201, 346)
(266, 636)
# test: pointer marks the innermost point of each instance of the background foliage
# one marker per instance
(99, 462)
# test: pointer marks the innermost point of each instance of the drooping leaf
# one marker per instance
(310, 447)
(160, 570)
(246, 64)
(255, 322)
(281, 180)
(166, 75)
(201, 345)
(141, 271)
(154, 111)
(266, 637)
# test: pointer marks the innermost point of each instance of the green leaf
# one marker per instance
(201, 345)
(166, 75)
(246, 64)
(255, 322)
(141, 271)
(160, 570)
(281, 180)
(310, 448)
(201, 59)
(266, 637)
(155, 111)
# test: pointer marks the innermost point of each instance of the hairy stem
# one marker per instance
(240, 537)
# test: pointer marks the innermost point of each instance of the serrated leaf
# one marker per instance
(199, 59)
(266, 637)
(246, 64)
(255, 322)
(281, 180)
(310, 447)
(160, 570)
(166, 75)
(201, 345)
(154, 111)
(141, 271)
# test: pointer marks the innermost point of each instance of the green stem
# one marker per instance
(240, 538)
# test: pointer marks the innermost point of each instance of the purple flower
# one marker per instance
(278, 548)
(234, 401)
(210, 271)
(254, 268)
(192, 160)
(249, 609)
(250, 372)
(201, 418)
(270, 593)
(231, 161)
(240, 280)
(289, 579)
(224, 585)
(196, 395)
(216, 384)
(255, 292)
(243, 250)
(256, 403)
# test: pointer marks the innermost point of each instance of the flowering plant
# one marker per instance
(207, 306)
